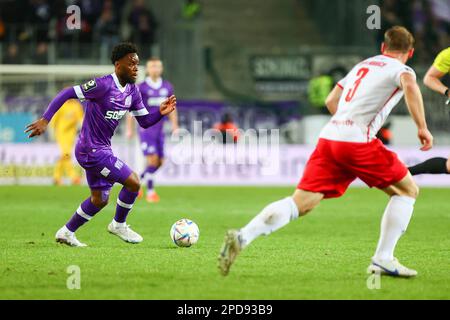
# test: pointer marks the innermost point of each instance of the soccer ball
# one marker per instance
(184, 233)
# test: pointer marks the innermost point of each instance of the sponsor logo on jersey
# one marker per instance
(115, 115)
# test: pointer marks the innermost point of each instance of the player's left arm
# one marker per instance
(333, 98)
(40, 126)
(414, 102)
(146, 119)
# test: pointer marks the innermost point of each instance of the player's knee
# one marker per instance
(154, 161)
(133, 184)
(413, 191)
(448, 165)
(306, 201)
(100, 201)
(305, 208)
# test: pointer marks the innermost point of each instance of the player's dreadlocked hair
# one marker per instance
(121, 50)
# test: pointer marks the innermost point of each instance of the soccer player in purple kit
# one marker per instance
(108, 99)
(154, 90)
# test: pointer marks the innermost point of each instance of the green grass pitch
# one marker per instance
(323, 256)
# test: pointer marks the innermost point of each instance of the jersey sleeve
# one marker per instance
(442, 62)
(137, 108)
(92, 90)
(341, 83)
(400, 71)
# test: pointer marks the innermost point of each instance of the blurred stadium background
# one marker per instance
(267, 63)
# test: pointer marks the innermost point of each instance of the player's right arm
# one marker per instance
(414, 101)
(39, 126)
(333, 98)
(91, 90)
(437, 71)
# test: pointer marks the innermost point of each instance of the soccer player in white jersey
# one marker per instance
(348, 149)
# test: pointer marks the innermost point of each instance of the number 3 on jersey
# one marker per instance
(361, 74)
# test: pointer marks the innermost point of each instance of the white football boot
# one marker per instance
(391, 268)
(68, 237)
(124, 232)
(231, 247)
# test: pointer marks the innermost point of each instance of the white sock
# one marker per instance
(273, 217)
(394, 223)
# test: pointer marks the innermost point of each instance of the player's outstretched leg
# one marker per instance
(432, 166)
(85, 212)
(154, 162)
(125, 202)
(273, 217)
(395, 221)
(148, 177)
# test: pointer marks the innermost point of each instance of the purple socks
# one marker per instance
(125, 202)
(85, 212)
(147, 175)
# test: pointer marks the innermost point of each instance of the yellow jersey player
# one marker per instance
(433, 80)
(65, 125)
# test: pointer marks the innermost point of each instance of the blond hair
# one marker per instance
(398, 39)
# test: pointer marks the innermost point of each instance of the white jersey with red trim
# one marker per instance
(370, 91)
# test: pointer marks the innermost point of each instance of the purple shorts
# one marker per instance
(152, 143)
(103, 168)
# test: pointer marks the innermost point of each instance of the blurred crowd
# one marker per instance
(28, 27)
(26, 24)
(428, 19)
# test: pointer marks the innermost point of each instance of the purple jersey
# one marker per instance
(153, 94)
(107, 101)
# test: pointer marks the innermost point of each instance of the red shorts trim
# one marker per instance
(334, 165)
